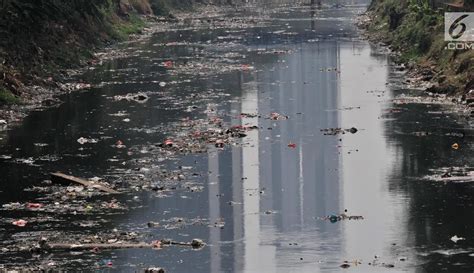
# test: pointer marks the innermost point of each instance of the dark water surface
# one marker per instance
(267, 195)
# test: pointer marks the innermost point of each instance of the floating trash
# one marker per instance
(83, 140)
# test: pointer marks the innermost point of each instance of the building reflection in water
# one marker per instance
(278, 191)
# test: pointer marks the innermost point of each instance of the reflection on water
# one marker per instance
(262, 198)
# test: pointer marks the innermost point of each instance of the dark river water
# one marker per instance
(260, 201)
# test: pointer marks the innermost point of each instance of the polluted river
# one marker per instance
(263, 139)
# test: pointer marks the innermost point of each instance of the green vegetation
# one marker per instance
(44, 36)
(409, 26)
(416, 29)
(7, 98)
(134, 24)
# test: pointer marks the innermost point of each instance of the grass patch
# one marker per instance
(133, 25)
(7, 98)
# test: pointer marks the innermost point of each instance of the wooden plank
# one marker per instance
(96, 246)
(65, 179)
(195, 243)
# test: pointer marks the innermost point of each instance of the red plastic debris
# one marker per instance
(20, 223)
(169, 143)
(119, 144)
(34, 205)
(292, 145)
(168, 64)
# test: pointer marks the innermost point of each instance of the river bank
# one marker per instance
(45, 42)
(413, 32)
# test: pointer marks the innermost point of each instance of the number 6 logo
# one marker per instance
(455, 25)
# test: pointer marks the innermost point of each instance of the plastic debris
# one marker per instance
(153, 224)
(336, 131)
(156, 244)
(108, 263)
(168, 143)
(119, 144)
(455, 146)
(154, 270)
(455, 238)
(277, 116)
(168, 64)
(219, 143)
(34, 205)
(137, 97)
(75, 86)
(64, 179)
(333, 218)
(20, 223)
(292, 145)
(452, 174)
(83, 140)
(246, 67)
